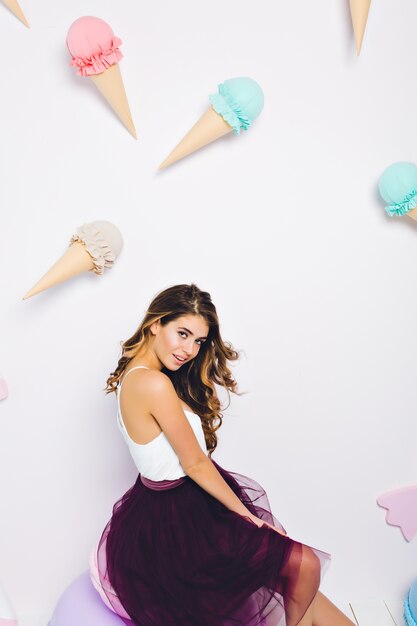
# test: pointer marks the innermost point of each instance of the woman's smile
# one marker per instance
(179, 359)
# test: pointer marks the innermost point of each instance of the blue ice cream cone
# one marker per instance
(398, 188)
(237, 104)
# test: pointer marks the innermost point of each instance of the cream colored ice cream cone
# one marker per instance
(359, 10)
(15, 8)
(75, 261)
(209, 127)
(94, 247)
(110, 84)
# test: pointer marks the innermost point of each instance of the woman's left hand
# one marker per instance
(277, 530)
(260, 522)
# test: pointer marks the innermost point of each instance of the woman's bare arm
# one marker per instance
(154, 390)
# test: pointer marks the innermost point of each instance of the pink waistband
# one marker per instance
(162, 485)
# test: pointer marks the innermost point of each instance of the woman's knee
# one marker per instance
(303, 564)
(310, 564)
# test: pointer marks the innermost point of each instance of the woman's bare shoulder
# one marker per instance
(142, 390)
(150, 380)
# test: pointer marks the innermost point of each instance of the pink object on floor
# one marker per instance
(4, 392)
(401, 505)
(92, 45)
(8, 622)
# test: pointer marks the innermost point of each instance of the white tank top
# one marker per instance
(157, 459)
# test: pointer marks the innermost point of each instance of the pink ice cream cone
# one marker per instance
(15, 8)
(95, 52)
(359, 10)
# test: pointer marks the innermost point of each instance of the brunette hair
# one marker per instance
(195, 381)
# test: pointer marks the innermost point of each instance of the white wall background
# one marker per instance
(282, 225)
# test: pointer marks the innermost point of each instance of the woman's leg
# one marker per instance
(302, 573)
(308, 617)
(322, 612)
(325, 613)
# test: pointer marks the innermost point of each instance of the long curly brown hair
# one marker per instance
(195, 381)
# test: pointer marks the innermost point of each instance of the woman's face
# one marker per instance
(179, 341)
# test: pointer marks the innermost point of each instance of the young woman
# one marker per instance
(191, 544)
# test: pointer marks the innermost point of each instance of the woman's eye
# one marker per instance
(182, 333)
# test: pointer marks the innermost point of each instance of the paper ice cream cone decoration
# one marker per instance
(95, 52)
(15, 8)
(93, 248)
(7, 614)
(209, 127)
(401, 505)
(359, 10)
(4, 392)
(398, 188)
(237, 104)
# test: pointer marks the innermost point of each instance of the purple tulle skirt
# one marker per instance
(172, 555)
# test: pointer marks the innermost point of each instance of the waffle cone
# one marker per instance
(209, 127)
(359, 10)
(75, 260)
(412, 214)
(14, 7)
(110, 84)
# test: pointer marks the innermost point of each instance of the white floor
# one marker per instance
(372, 613)
(375, 613)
